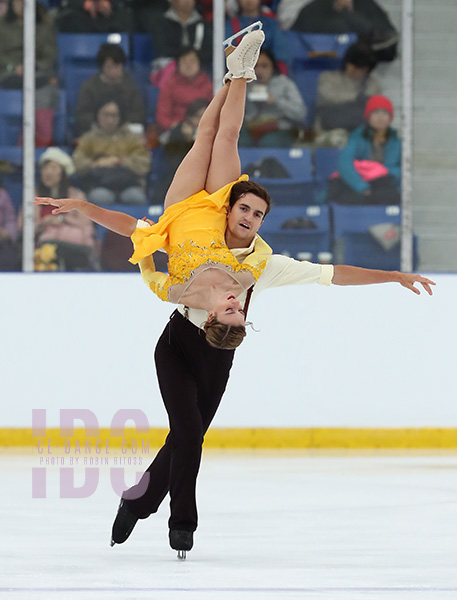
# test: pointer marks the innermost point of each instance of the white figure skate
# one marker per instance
(242, 59)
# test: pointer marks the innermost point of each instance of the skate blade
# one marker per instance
(228, 42)
(112, 543)
(182, 554)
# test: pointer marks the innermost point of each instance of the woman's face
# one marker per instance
(51, 173)
(109, 117)
(189, 65)
(379, 119)
(264, 69)
(228, 310)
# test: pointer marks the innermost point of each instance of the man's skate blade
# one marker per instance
(182, 554)
(257, 25)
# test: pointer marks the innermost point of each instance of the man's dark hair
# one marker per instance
(249, 187)
(359, 55)
(113, 51)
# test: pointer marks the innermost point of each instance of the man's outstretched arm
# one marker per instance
(346, 275)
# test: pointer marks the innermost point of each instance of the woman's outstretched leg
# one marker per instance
(225, 164)
(190, 177)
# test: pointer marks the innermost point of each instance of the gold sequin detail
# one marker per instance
(186, 257)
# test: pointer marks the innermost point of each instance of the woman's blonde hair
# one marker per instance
(222, 336)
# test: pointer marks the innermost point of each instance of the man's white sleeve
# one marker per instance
(282, 270)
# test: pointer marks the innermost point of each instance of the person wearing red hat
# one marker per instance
(369, 166)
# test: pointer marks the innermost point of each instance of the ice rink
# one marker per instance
(278, 524)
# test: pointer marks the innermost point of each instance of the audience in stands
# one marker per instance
(363, 17)
(8, 233)
(342, 95)
(112, 78)
(111, 160)
(146, 12)
(70, 238)
(182, 26)
(92, 16)
(187, 84)
(12, 53)
(176, 143)
(369, 166)
(250, 11)
(274, 107)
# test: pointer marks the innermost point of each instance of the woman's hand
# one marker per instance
(62, 205)
(148, 221)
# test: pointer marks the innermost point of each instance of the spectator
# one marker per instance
(363, 17)
(12, 53)
(342, 95)
(178, 141)
(111, 160)
(92, 16)
(274, 107)
(72, 235)
(369, 166)
(250, 11)
(111, 78)
(183, 87)
(8, 233)
(182, 26)
(267, 7)
(146, 12)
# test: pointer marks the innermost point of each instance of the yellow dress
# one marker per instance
(192, 232)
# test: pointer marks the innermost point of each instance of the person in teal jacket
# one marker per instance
(369, 166)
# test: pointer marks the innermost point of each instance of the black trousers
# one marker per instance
(192, 379)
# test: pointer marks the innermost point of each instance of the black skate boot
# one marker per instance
(182, 541)
(123, 524)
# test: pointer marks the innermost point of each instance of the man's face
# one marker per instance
(245, 218)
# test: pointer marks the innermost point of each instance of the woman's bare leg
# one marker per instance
(225, 163)
(191, 174)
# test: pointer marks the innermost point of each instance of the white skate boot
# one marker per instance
(242, 59)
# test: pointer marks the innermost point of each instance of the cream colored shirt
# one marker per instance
(280, 270)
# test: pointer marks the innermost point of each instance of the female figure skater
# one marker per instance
(202, 272)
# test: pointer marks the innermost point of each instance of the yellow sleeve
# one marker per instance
(156, 281)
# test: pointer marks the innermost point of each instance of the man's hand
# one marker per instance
(348, 275)
(62, 205)
(407, 280)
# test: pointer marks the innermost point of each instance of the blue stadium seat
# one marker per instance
(318, 50)
(353, 243)
(312, 53)
(296, 189)
(312, 237)
(325, 163)
(143, 53)
(11, 107)
(152, 95)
